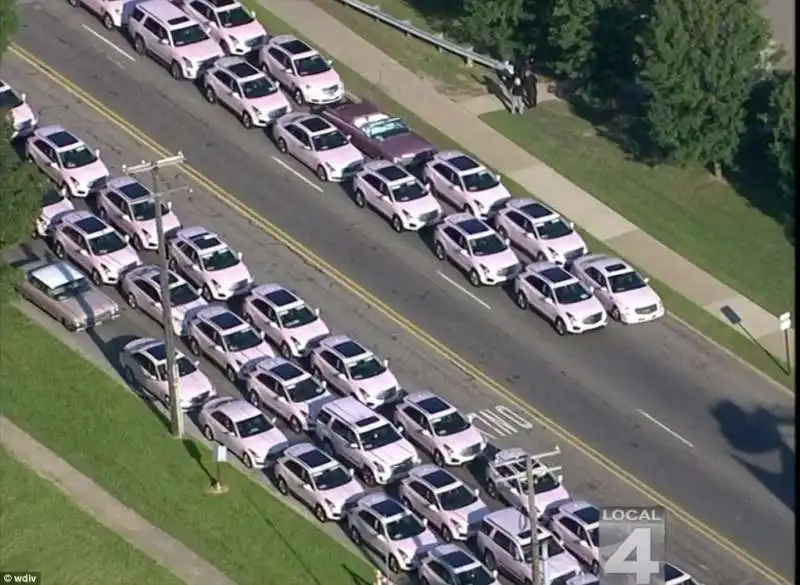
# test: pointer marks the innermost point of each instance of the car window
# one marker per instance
(547, 291)
(331, 359)
(373, 182)
(267, 381)
(504, 542)
(461, 241)
(71, 234)
(368, 519)
(440, 571)
(453, 234)
(340, 429)
(155, 28)
(324, 417)
(486, 528)
(137, 14)
(277, 55)
(202, 9)
(414, 415)
(42, 147)
(302, 136)
(294, 468)
(224, 421)
(442, 170)
(516, 218)
(207, 330)
(145, 364)
(419, 489)
(536, 283)
(570, 525)
(224, 78)
(117, 201)
(148, 289)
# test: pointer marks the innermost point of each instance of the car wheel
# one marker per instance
(246, 120)
(280, 483)
(137, 244)
(231, 375)
(595, 568)
(295, 425)
(328, 448)
(439, 251)
(406, 502)
(317, 373)
(359, 199)
(368, 477)
(172, 264)
(176, 71)
(615, 314)
(194, 347)
(286, 351)
(540, 257)
(60, 252)
(96, 278)
(397, 224)
(355, 536)
(491, 489)
(253, 399)
(522, 301)
(501, 231)
(247, 460)
(129, 376)
(131, 300)
(393, 565)
(282, 146)
(560, 326)
(474, 278)
(208, 433)
(320, 513)
(209, 94)
(438, 459)
(298, 96)
(447, 536)
(108, 22)
(321, 173)
(207, 294)
(488, 561)
(139, 46)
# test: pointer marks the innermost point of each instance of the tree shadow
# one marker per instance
(757, 433)
(196, 455)
(439, 15)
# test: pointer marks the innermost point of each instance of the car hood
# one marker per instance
(194, 385)
(470, 515)
(21, 114)
(393, 454)
(169, 222)
(400, 145)
(419, 544)
(182, 314)
(50, 212)
(90, 304)
(88, 174)
(247, 356)
(583, 309)
(227, 277)
(420, 206)
(316, 403)
(377, 384)
(207, 49)
(320, 80)
(495, 262)
(344, 493)
(266, 443)
(116, 261)
(566, 243)
(466, 438)
(561, 564)
(546, 500)
(341, 157)
(634, 299)
(490, 197)
(244, 32)
(269, 103)
(306, 333)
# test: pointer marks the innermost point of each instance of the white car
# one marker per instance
(144, 366)
(437, 427)
(676, 576)
(232, 25)
(23, 120)
(112, 13)
(454, 508)
(130, 207)
(319, 145)
(624, 293)
(290, 392)
(244, 90)
(243, 429)
(355, 371)
(208, 262)
(449, 564)
(54, 205)
(465, 183)
(576, 525)
(476, 249)
(67, 160)
(226, 340)
(560, 297)
(141, 288)
(319, 481)
(286, 320)
(397, 195)
(305, 74)
(380, 523)
(539, 232)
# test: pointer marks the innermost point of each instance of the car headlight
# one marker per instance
(329, 166)
(403, 554)
(188, 63)
(105, 269)
(330, 504)
(146, 234)
(75, 181)
(448, 449)
(379, 468)
(484, 268)
(478, 204)
(570, 317)
(553, 252)
(234, 41)
(215, 284)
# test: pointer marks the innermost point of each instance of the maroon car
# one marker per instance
(379, 135)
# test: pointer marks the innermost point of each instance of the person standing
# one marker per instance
(517, 92)
(531, 88)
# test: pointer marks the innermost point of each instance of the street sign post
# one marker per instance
(220, 456)
(785, 322)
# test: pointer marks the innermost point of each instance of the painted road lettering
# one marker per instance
(500, 421)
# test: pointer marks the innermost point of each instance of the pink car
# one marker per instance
(23, 120)
(302, 71)
(316, 143)
(54, 205)
(233, 26)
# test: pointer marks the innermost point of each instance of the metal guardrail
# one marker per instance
(437, 39)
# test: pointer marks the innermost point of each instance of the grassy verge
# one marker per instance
(45, 532)
(78, 411)
(677, 304)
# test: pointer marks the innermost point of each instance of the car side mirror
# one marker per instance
(239, 255)
(426, 432)
(530, 235)
(646, 280)
(23, 96)
(506, 241)
(352, 446)
(476, 492)
(317, 312)
(494, 574)
(52, 165)
(273, 324)
(163, 41)
(217, 348)
(307, 487)
(83, 252)
(340, 375)
(431, 507)
(169, 205)
(252, 13)
(126, 238)
(572, 225)
(471, 417)
(381, 537)
(548, 300)
(385, 363)
(457, 187)
(348, 136)
(306, 147)
(424, 521)
(513, 490)
(96, 152)
(593, 289)
(281, 399)
(330, 62)
(560, 478)
(287, 70)
(196, 363)
(463, 252)
(227, 433)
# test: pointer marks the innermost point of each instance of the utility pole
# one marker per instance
(536, 567)
(153, 167)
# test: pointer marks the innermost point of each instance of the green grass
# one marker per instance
(45, 532)
(83, 414)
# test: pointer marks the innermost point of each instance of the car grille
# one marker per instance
(429, 217)
(473, 450)
(330, 90)
(647, 310)
(277, 113)
(256, 42)
(403, 467)
(508, 270)
(573, 254)
(593, 319)
(562, 580)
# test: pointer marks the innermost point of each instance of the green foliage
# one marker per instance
(490, 25)
(21, 191)
(780, 120)
(8, 23)
(9, 279)
(571, 37)
(699, 63)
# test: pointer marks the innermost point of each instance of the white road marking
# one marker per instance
(664, 427)
(500, 421)
(298, 175)
(115, 62)
(465, 291)
(101, 38)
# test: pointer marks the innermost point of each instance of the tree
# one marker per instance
(699, 62)
(780, 120)
(20, 191)
(8, 24)
(571, 37)
(491, 25)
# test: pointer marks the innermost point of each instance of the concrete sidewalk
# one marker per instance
(107, 510)
(463, 126)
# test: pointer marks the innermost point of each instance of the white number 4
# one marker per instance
(638, 546)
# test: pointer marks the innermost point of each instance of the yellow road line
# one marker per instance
(367, 297)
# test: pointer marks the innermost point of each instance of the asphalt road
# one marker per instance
(731, 465)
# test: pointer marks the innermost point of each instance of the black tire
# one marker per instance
(298, 97)
(280, 484)
(501, 231)
(208, 93)
(393, 565)
(522, 301)
(295, 425)
(103, 214)
(560, 327)
(129, 376)
(368, 477)
(139, 46)
(355, 536)
(282, 146)
(438, 250)
(447, 536)
(231, 375)
(176, 71)
(131, 300)
(225, 48)
(108, 22)
(246, 120)
(320, 513)
(208, 433)
(488, 561)
(286, 351)
(137, 244)
(438, 458)
(96, 278)
(194, 347)
(540, 257)
(321, 173)
(172, 264)
(60, 252)
(615, 314)
(206, 292)
(359, 199)
(397, 224)
(247, 461)
(595, 568)
(474, 278)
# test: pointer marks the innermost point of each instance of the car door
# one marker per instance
(535, 289)
(47, 159)
(330, 367)
(305, 147)
(76, 248)
(419, 430)
(293, 476)
(514, 224)
(279, 66)
(372, 193)
(158, 43)
(596, 280)
(225, 432)
(272, 328)
(385, 203)
(505, 551)
(567, 529)
(147, 376)
(209, 341)
(449, 237)
(584, 545)
(420, 499)
(272, 395)
(366, 522)
(439, 574)
(148, 298)
(192, 267)
(437, 176)
(462, 256)
(342, 438)
(230, 94)
(203, 14)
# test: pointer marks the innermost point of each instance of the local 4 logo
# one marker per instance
(631, 543)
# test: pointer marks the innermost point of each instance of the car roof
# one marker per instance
(315, 124)
(314, 458)
(354, 412)
(165, 10)
(56, 274)
(671, 573)
(299, 448)
(348, 349)
(201, 238)
(59, 137)
(429, 402)
(388, 507)
(129, 188)
(472, 226)
(237, 409)
(226, 320)
(582, 510)
(277, 295)
(434, 476)
(282, 368)
(221, 3)
(351, 110)
(293, 45)
(393, 172)
(86, 221)
(238, 67)
(531, 208)
(511, 520)
(457, 558)
(458, 160)
(551, 272)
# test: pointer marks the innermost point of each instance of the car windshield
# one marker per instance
(479, 181)
(304, 390)
(383, 129)
(188, 35)
(368, 367)
(329, 140)
(146, 210)
(408, 191)
(297, 317)
(9, 99)
(477, 575)
(253, 426)
(77, 158)
(378, 437)
(182, 294)
(235, 17)
(457, 498)
(552, 229)
(258, 88)
(571, 293)
(313, 65)
(106, 243)
(487, 245)
(51, 198)
(185, 368)
(407, 526)
(450, 424)
(626, 281)
(548, 545)
(69, 290)
(331, 478)
(220, 260)
(242, 340)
